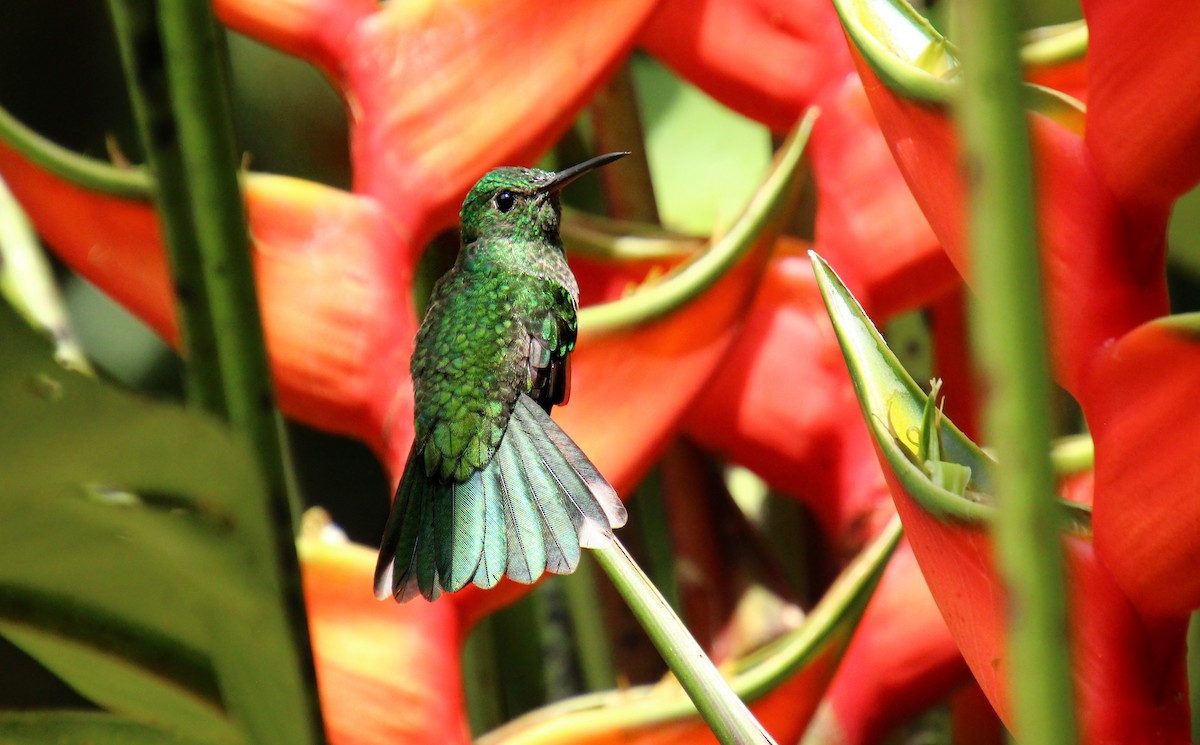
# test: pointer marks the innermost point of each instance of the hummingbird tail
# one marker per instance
(557, 489)
(528, 511)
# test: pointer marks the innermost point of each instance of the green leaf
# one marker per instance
(134, 558)
(27, 280)
(705, 160)
(85, 728)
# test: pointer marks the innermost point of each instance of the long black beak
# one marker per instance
(561, 178)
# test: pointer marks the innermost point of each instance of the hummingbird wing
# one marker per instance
(550, 346)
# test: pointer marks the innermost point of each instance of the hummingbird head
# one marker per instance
(521, 203)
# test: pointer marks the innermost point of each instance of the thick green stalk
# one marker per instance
(725, 714)
(1009, 336)
(481, 678)
(648, 516)
(200, 97)
(191, 131)
(143, 59)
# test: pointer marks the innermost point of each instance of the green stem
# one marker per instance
(593, 645)
(142, 59)
(481, 678)
(726, 714)
(200, 97)
(1009, 336)
(519, 634)
(648, 516)
(188, 119)
(80, 170)
(1073, 454)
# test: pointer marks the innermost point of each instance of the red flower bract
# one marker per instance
(1103, 199)
(386, 674)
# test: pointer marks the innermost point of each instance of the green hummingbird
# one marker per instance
(492, 486)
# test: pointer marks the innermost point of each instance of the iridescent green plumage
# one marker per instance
(493, 486)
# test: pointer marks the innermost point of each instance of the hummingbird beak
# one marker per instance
(559, 179)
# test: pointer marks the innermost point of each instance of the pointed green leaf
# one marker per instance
(134, 562)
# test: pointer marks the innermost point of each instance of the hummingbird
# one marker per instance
(492, 486)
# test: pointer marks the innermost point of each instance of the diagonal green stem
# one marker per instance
(199, 95)
(1009, 336)
(726, 715)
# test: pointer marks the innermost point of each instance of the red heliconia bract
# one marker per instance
(438, 93)
(902, 660)
(1103, 200)
(1130, 685)
(387, 674)
(828, 456)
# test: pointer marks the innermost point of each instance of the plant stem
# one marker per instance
(182, 102)
(142, 59)
(200, 97)
(481, 678)
(594, 647)
(1009, 338)
(726, 714)
(82, 171)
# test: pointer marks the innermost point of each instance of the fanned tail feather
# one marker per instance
(397, 552)
(559, 536)
(494, 557)
(523, 528)
(528, 511)
(594, 505)
(461, 532)
(425, 558)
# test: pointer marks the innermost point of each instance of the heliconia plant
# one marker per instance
(725, 341)
(1115, 655)
(1097, 230)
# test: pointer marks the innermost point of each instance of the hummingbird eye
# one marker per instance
(505, 200)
